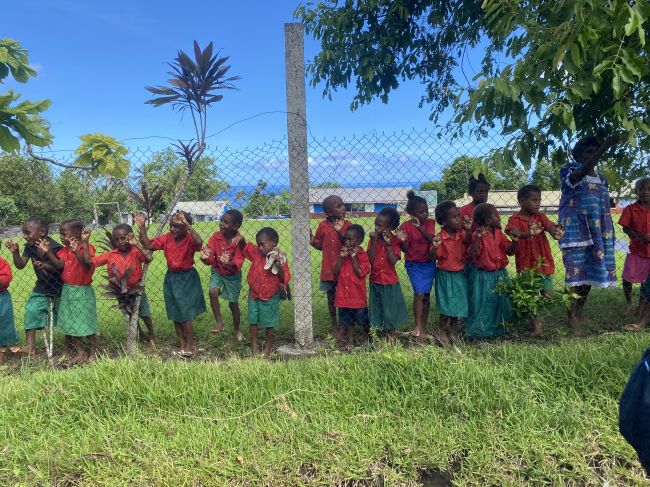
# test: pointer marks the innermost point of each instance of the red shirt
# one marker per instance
(5, 275)
(329, 240)
(217, 245)
(179, 255)
(468, 210)
(452, 251)
(73, 272)
(381, 270)
(637, 217)
(529, 249)
(119, 263)
(418, 246)
(263, 283)
(350, 288)
(492, 251)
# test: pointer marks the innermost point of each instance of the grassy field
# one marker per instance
(500, 414)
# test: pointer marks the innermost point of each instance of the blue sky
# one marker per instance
(94, 59)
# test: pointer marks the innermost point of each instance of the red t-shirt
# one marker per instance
(179, 255)
(119, 264)
(217, 245)
(329, 240)
(350, 288)
(381, 271)
(637, 217)
(529, 249)
(5, 275)
(468, 210)
(492, 251)
(263, 283)
(418, 246)
(73, 272)
(452, 251)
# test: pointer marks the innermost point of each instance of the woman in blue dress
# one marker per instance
(588, 241)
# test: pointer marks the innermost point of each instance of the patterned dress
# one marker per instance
(588, 242)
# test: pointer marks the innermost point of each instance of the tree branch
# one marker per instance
(57, 163)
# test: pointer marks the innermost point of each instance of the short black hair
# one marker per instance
(358, 229)
(73, 224)
(39, 223)
(525, 191)
(442, 209)
(236, 216)
(187, 216)
(482, 213)
(640, 182)
(123, 226)
(392, 215)
(268, 232)
(414, 200)
(473, 182)
(328, 201)
(582, 145)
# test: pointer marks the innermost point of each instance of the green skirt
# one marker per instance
(387, 306)
(488, 311)
(451, 293)
(8, 335)
(77, 314)
(183, 295)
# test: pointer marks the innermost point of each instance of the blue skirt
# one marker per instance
(421, 275)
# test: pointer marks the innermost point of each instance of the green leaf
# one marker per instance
(575, 54)
(616, 86)
(8, 142)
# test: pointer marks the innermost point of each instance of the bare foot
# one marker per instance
(30, 352)
(443, 338)
(80, 358)
(537, 327)
(151, 345)
(628, 309)
(634, 327)
(417, 331)
(218, 328)
(239, 337)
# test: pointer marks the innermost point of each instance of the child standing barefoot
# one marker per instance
(528, 227)
(268, 274)
(224, 254)
(77, 316)
(351, 269)
(182, 287)
(449, 249)
(48, 279)
(417, 235)
(387, 307)
(328, 239)
(490, 248)
(8, 335)
(635, 221)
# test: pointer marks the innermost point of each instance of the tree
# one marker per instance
(553, 71)
(75, 196)
(327, 185)
(9, 212)
(546, 176)
(261, 203)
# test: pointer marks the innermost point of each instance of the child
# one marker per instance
(126, 259)
(182, 287)
(533, 250)
(387, 307)
(490, 247)
(48, 279)
(478, 188)
(351, 269)
(328, 239)
(267, 276)
(448, 249)
(635, 221)
(224, 254)
(8, 335)
(416, 236)
(644, 314)
(77, 315)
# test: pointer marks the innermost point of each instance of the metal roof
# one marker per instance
(360, 195)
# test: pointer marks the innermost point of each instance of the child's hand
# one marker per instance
(74, 244)
(467, 223)
(205, 253)
(278, 256)
(44, 245)
(39, 264)
(345, 251)
(354, 251)
(535, 228)
(401, 234)
(131, 239)
(436, 242)
(85, 234)
(12, 246)
(237, 239)
(338, 224)
(513, 238)
(179, 217)
(480, 232)
(415, 222)
(225, 257)
(139, 219)
(558, 232)
(373, 235)
(386, 236)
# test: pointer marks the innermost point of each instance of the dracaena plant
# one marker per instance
(117, 289)
(147, 199)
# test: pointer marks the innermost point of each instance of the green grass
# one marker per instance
(496, 414)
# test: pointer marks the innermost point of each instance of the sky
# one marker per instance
(95, 58)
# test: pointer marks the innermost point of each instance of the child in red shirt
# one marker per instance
(528, 226)
(224, 254)
(124, 262)
(489, 250)
(328, 239)
(635, 221)
(182, 287)
(479, 189)
(351, 269)
(267, 277)
(387, 306)
(448, 249)
(77, 311)
(416, 236)
(8, 334)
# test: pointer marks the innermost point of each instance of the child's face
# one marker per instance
(644, 193)
(121, 240)
(452, 219)
(494, 221)
(351, 239)
(265, 244)
(588, 154)
(227, 224)
(531, 203)
(177, 230)
(382, 224)
(480, 193)
(421, 212)
(68, 233)
(335, 208)
(32, 233)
